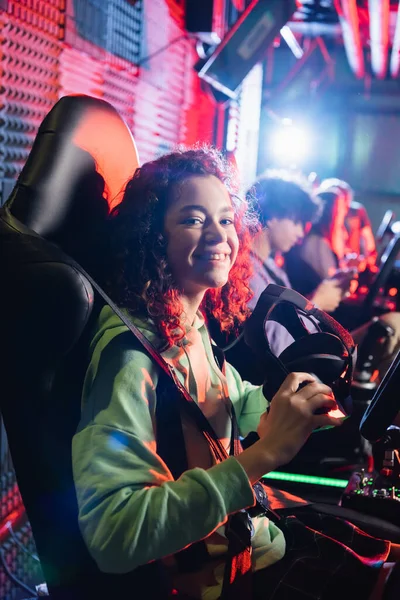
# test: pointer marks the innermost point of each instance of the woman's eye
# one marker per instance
(227, 222)
(193, 221)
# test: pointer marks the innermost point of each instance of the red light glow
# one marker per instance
(337, 413)
(106, 137)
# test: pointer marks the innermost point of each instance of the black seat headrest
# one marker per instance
(83, 150)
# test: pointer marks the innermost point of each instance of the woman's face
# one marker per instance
(202, 243)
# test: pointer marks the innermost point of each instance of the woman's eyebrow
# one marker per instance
(188, 207)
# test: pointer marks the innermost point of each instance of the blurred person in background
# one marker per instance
(360, 241)
(286, 208)
(323, 248)
(320, 256)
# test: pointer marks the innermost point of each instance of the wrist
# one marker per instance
(268, 457)
(257, 461)
(250, 439)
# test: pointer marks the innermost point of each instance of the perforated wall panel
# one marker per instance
(20, 570)
(141, 62)
(120, 86)
(10, 498)
(80, 73)
(105, 29)
(164, 82)
(29, 77)
(18, 558)
(124, 29)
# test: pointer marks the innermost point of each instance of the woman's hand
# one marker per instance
(328, 295)
(292, 416)
(291, 419)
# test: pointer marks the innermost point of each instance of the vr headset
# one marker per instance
(326, 350)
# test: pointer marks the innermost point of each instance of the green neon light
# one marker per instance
(311, 479)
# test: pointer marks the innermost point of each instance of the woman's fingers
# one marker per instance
(294, 380)
(313, 389)
(321, 401)
(327, 421)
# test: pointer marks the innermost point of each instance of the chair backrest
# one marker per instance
(82, 157)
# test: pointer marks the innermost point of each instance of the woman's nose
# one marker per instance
(216, 232)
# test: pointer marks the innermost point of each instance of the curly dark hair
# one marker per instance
(139, 278)
(280, 195)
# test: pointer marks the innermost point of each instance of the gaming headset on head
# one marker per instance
(329, 353)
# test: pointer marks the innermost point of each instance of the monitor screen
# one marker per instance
(245, 44)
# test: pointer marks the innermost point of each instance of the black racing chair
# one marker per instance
(83, 154)
(81, 159)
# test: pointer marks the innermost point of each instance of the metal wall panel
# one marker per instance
(29, 81)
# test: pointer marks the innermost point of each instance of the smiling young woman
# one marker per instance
(177, 243)
(177, 212)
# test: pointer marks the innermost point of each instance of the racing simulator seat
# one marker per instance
(82, 157)
(72, 176)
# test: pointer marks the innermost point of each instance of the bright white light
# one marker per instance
(396, 227)
(312, 177)
(291, 41)
(290, 144)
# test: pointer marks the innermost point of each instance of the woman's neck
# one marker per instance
(191, 305)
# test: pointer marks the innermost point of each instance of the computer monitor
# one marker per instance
(245, 44)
